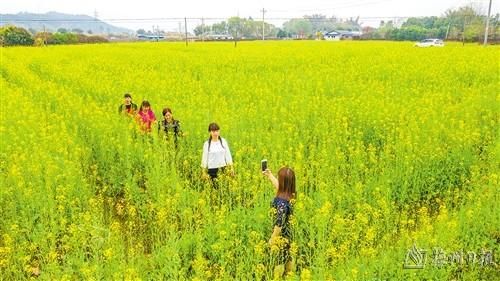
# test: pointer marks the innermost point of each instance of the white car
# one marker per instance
(430, 43)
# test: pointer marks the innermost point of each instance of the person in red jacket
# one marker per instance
(145, 117)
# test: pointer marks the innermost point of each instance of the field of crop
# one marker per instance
(393, 146)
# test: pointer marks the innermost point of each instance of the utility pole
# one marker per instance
(487, 25)
(447, 31)
(263, 25)
(236, 38)
(186, 30)
(237, 29)
(463, 31)
(44, 36)
(202, 29)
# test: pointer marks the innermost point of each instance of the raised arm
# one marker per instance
(272, 178)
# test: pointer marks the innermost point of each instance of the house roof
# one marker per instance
(343, 32)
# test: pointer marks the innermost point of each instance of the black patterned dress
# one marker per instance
(283, 211)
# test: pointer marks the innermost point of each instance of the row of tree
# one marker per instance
(295, 28)
(14, 35)
(238, 28)
(463, 24)
(311, 26)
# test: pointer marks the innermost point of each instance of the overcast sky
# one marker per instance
(133, 14)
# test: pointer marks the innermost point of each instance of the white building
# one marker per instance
(337, 35)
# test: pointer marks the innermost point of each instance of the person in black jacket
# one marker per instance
(127, 107)
(168, 127)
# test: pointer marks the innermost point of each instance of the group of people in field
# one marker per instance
(216, 158)
(145, 117)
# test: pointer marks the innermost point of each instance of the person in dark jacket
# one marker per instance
(169, 127)
(127, 107)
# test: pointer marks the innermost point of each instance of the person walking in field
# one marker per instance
(281, 236)
(169, 127)
(145, 117)
(127, 107)
(216, 155)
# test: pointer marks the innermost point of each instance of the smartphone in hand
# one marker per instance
(263, 165)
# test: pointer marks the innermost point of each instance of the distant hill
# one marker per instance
(53, 21)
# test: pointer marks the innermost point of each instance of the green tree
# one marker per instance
(13, 35)
(220, 28)
(385, 30)
(199, 30)
(234, 25)
(299, 27)
(64, 38)
(465, 24)
(282, 34)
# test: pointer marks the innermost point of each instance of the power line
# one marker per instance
(201, 18)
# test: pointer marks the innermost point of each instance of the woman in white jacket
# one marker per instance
(216, 154)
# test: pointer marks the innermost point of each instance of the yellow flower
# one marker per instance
(370, 234)
(108, 253)
(305, 275)
(354, 273)
(294, 249)
(260, 270)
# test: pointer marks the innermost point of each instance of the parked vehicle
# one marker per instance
(430, 43)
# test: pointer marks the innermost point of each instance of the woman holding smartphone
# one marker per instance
(216, 154)
(282, 232)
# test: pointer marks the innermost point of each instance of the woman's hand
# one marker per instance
(271, 241)
(267, 173)
(230, 170)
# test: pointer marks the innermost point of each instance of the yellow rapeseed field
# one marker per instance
(396, 151)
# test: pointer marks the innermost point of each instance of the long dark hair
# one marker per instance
(144, 103)
(286, 184)
(165, 110)
(214, 127)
